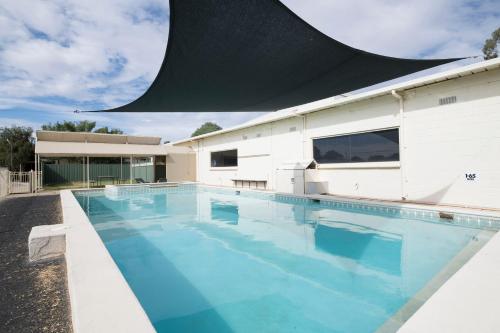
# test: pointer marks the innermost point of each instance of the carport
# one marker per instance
(95, 159)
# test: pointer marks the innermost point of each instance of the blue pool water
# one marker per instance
(206, 260)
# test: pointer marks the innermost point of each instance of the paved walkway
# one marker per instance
(33, 298)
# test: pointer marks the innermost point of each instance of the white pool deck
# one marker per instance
(102, 301)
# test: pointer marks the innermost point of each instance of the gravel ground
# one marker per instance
(33, 297)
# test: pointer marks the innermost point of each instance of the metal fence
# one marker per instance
(77, 172)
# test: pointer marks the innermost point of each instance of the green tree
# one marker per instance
(107, 130)
(17, 147)
(70, 126)
(79, 126)
(206, 128)
(490, 48)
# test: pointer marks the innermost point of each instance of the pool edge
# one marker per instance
(100, 297)
(468, 301)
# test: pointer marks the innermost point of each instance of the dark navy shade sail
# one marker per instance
(256, 55)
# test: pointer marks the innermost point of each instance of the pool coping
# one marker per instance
(101, 299)
(467, 301)
(461, 304)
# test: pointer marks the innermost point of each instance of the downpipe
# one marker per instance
(402, 149)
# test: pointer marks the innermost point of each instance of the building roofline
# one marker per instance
(339, 101)
(61, 136)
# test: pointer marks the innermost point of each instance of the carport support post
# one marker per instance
(131, 160)
(35, 180)
(40, 170)
(154, 168)
(37, 171)
(88, 172)
(83, 170)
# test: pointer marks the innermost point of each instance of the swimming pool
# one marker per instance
(203, 259)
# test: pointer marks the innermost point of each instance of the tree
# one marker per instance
(106, 130)
(17, 147)
(206, 128)
(70, 126)
(490, 48)
(79, 126)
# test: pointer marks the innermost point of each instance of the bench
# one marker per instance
(243, 181)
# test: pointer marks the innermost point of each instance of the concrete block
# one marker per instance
(47, 242)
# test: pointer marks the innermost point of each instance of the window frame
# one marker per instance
(225, 166)
(359, 164)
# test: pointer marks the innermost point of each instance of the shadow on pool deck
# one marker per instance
(33, 298)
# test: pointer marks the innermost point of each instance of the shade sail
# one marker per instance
(256, 55)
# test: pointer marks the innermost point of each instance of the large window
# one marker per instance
(379, 146)
(226, 158)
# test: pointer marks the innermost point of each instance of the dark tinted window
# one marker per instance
(226, 158)
(377, 146)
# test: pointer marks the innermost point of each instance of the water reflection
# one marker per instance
(224, 211)
(375, 249)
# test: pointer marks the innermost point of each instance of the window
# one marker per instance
(226, 158)
(379, 146)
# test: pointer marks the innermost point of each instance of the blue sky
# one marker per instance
(60, 55)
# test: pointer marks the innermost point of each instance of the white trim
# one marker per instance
(252, 156)
(378, 129)
(361, 165)
(223, 169)
(101, 299)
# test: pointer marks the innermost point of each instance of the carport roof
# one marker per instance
(96, 138)
(77, 144)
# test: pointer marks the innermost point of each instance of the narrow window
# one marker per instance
(378, 146)
(226, 158)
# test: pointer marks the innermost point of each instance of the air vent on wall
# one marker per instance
(293, 129)
(245, 137)
(258, 135)
(447, 100)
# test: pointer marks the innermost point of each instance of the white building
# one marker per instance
(433, 140)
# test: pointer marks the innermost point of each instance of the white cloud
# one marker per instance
(7, 122)
(68, 49)
(445, 28)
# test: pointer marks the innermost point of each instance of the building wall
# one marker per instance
(181, 167)
(446, 142)
(440, 145)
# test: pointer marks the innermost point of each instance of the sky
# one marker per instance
(60, 55)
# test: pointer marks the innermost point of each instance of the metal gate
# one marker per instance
(25, 182)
